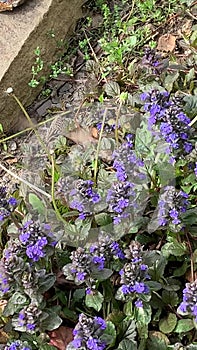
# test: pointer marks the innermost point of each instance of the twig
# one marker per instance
(94, 55)
(25, 182)
(35, 125)
(78, 111)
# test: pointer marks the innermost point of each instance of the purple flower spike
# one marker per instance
(37, 239)
(189, 303)
(167, 115)
(87, 333)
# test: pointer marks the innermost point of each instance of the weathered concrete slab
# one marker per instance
(22, 30)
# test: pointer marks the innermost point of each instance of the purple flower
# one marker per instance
(28, 318)
(87, 333)
(88, 291)
(134, 273)
(140, 288)
(100, 322)
(84, 197)
(7, 205)
(127, 165)
(115, 248)
(17, 345)
(167, 115)
(77, 343)
(189, 303)
(151, 60)
(35, 252)
(37, 239)
(30, 327)
(121, 198)
(195, 169)
(125, 289)
(143, 267)
(172, 203)
(12, 201)
(95, 344)
(138, 303)
(81, 276)
(4, 284)
(99, 261)
(85, 262)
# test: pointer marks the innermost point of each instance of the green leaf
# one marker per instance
(37, 204)
(47, 283)
(53, 321)
(195, 256)
(153, 285)
(166, 172)
(191, 105)
(132, 40)
(174, 248)
(127, 344)
(112, 89)
(94, 300)
(103, 219)
(128, 329)
(190, 216)
(157, 341)
(192, 346)
(167, 324)
(116, 317)
(128, 308)
(143, 314)
(169, 81)
(156, 271)
(47, 347)
(15, 303)
(184, 325)
(143, 139)
(79, 294)
(102, 275)
(170, 297)
(180, 271)
(120, 295)
(109, 335)
(69, 314)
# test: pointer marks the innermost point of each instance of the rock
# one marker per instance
(8, 5)
(22, 31)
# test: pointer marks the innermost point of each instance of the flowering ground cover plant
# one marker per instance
(107, 250)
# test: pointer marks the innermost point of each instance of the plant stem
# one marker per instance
(29, 129)
(193, 121)
(53, 189)
(15, 221)
(99, 145)
(117, 119)
(32, 125)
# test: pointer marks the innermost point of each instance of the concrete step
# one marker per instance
(22, 31)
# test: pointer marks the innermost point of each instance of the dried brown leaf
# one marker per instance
(81, 136)
(61, 337)
(95, 133)
(3, 337)
(166, 43)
